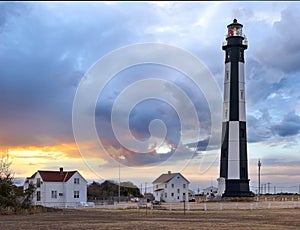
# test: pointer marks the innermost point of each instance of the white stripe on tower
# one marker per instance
(226, 92)
(242, 104)
(234, 151)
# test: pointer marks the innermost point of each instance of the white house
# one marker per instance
(210, 190)
(171, 187)
(58, 188)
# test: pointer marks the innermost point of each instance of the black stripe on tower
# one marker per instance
(236, 56)
(234, 92)
(224, 150)
(243, 151)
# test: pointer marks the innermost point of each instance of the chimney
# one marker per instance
(61, 171)
(169, 172)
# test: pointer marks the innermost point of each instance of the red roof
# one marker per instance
(55, 176)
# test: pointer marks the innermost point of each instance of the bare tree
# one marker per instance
(9, 196)
(5, 172)
(7, 191)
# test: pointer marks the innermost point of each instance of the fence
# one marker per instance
(263, 203)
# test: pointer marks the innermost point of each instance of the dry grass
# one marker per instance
(154, 219)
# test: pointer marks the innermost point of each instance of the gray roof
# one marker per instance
(165, 178)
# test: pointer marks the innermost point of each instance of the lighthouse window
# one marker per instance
(242, 94)
(228, 54)
(230, 33)
(234, 31)
(227, 75)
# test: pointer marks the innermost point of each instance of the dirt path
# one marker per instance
(133, 219)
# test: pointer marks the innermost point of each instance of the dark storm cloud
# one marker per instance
(289, 126)
(281, 49)
(42, 60)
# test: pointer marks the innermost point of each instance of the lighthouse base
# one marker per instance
(237, 188)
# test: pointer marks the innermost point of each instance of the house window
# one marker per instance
(60, 194)
(172, 185)
(166, 185)
(177, 197)
(172, 194)
(76, 194)
(157, 186)
(166, 195)
(178, 190)
(53, 194)
(38, 196)
(76, 180)
(38, 182)
(184, 185)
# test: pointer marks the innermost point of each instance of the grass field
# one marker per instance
(155, 219)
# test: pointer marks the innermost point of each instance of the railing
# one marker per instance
(244, 42)
(63, 204)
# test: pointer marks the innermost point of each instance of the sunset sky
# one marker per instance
(46, 49)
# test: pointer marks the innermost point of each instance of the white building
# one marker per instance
(210, 190)
(58, 188)
(171, 187)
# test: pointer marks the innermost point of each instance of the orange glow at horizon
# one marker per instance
(28, 159)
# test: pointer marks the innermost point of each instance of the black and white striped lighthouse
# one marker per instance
(234, 163)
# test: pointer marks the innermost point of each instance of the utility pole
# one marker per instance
(269, 187)
(259, 165)
(119, 189)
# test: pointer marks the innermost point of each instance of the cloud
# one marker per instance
(46, 48)
(286, 40)
(289, 126)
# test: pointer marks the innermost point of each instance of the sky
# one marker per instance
(144, 115)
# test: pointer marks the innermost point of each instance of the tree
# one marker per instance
(93, 191)
(109, 189)
(9, 193)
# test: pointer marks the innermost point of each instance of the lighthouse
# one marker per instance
(233, 161)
